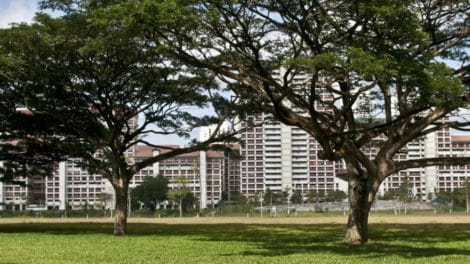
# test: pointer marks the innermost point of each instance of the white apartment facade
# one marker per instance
(280, 157)
(453, 177)
(283, 158)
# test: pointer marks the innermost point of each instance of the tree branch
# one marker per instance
(427, 162)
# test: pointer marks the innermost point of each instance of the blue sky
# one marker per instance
(17, 11)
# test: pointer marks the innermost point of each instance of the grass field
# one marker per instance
(402, 239)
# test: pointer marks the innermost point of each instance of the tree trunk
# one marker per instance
(361, 196)
(120, 219)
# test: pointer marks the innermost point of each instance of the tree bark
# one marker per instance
(361, 197)
(120, 220)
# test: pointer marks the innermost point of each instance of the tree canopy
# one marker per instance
(94, 88)
(374, 73)
(151, 191)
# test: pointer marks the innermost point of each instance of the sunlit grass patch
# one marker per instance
(231, 243)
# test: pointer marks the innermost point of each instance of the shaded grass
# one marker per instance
(231, 243)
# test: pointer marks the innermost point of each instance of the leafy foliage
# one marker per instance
(403, 193)
(336, 196)
(345, 51)
(180, 193)
(297, 197)
(458, 197)
(151, 191)
(94, 88)
(314, 197)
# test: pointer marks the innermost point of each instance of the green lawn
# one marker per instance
(231, 243)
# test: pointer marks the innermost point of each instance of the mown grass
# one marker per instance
(231, 243)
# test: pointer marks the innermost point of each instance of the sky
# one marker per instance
(17, 11)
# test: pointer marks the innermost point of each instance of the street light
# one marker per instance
(129, 203)
(288, 201)
(467, 198)
(261, 205)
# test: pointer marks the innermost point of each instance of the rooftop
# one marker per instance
(143, 151)
(460, 138)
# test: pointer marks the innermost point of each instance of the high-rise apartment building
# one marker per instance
(280, 157)
(14, 196)
(452, 177)
(26, 191)
(283, 158)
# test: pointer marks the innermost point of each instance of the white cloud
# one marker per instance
(16, 11)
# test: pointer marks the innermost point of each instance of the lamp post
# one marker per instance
(261, 205)
(288, 202)
(467, 198)
(129, 203)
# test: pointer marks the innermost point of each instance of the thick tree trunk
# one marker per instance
(361, 197)
(120, 220)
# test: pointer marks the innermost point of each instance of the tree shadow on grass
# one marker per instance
(57, 228)
(406, 241)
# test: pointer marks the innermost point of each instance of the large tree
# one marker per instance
(94, 89)
(375, 73)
